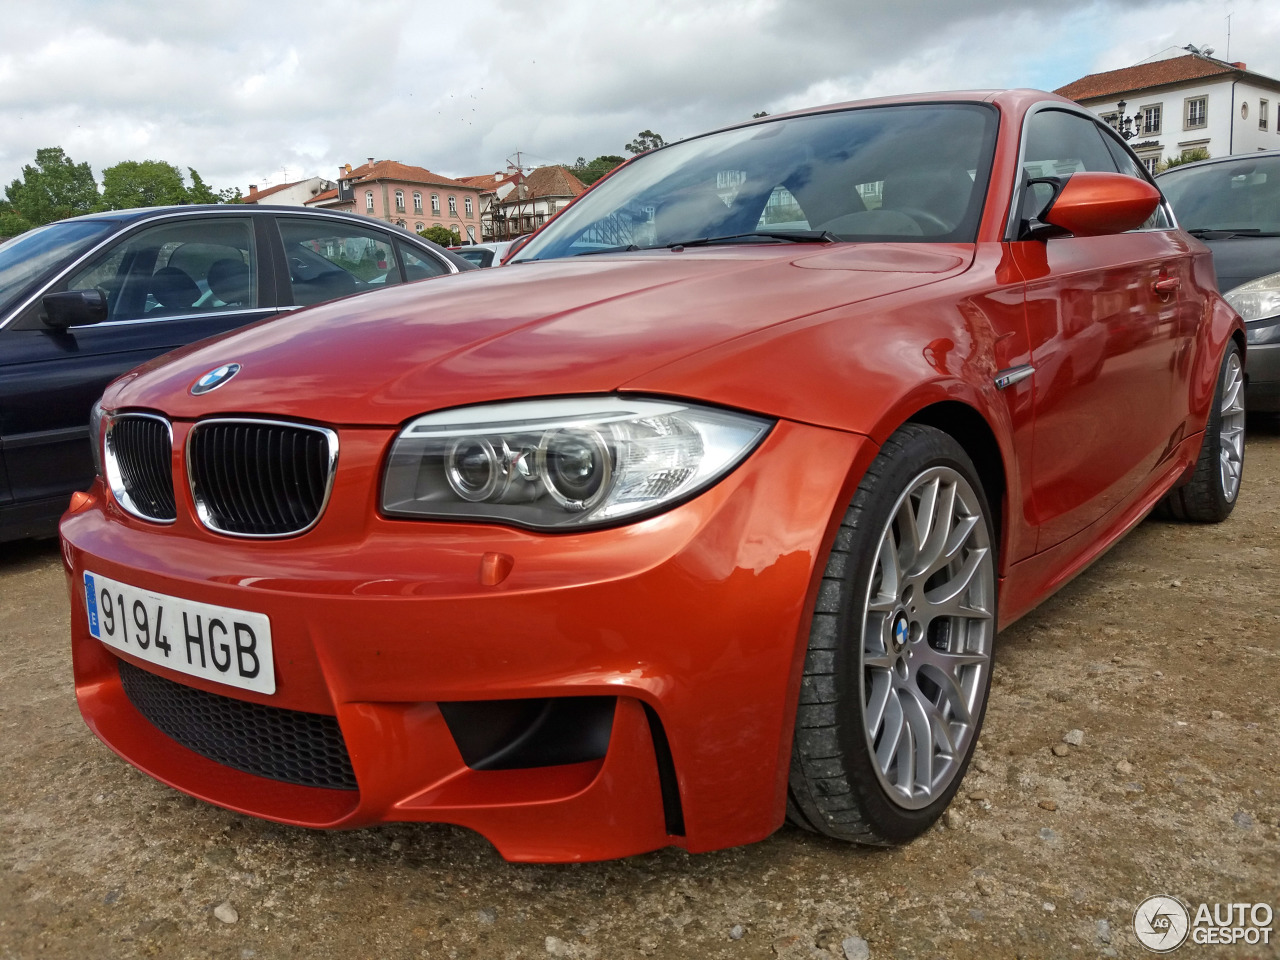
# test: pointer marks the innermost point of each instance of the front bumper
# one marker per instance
(1262, 369)
(695, 620)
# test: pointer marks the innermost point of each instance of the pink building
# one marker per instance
(410, 197)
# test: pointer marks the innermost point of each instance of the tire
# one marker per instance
(901, 644)
(1211, 494)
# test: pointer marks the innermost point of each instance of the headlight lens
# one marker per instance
(97, 420)
(562, 463)
(1257, 299)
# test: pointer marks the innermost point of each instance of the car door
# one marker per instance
(166, 283)
(1104, 322)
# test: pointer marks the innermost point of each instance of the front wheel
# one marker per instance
(900, 649)
(1211, 494)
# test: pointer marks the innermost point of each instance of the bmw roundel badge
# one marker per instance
(215, 378)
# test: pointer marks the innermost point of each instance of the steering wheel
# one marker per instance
(927, 219)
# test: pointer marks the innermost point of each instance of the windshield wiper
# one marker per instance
(626, 248)
(793, 236)
(1226, 233)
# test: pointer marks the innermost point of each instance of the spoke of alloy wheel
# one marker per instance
(890, 576)
(957, 584)
(943, 508)
(881, 690)
(913, 536)
(921, 727)
(894, 727)
(951, 693)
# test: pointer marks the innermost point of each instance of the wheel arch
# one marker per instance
(970, 429)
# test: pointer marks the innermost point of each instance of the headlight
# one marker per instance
(96, 421)
(571, 462)
(1257, 299)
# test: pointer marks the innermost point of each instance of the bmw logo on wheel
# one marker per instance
(215, 378)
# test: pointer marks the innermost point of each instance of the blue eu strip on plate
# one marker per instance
(91, 603)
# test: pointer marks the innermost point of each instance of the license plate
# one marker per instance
(216, 643)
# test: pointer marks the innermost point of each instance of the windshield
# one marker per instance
(916, 172)
(28, 255)
(1234, 196)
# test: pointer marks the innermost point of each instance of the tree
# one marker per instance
(56, 187)
(441, 235)
(589, 173)
(12, 223)
(646, 140)
(142, 183)
(1187, 156)
(199, 191)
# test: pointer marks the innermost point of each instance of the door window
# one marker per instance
(329, 258)
(175, 269)
(420, 266)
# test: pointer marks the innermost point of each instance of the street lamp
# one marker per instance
(1125, 125)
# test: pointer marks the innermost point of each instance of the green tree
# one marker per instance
(56, 187)
(441, 235)
(199, 191)
(12, 223)
(589, 173)
(1187, 156)
(142, 183)
(645, 140)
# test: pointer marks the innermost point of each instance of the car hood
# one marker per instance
(1240, 259)
(585, 325)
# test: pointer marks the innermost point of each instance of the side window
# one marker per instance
(177, 269)
(420, 266)
(329, 259)
(1058, 144)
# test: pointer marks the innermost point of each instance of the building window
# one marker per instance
(1151, 119)
(453, 206)
(399, 223)
(399, 201)
(1196, 112)
(1151, 163)
(435, 203)
(417, 202)
(471, 233)
(417, 227)
(456, 232)
(467, 203)
(368, 200)
(1263, 107)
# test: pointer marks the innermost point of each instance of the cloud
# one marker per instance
(254, 93)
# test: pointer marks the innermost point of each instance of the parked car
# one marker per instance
(661, 545)
(83, 300)
(1233, 205)
(484, 254)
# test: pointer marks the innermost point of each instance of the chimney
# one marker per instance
(1240, 66)
(371, 164)
(253, 191)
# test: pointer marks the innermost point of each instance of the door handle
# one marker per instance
(1166, 285)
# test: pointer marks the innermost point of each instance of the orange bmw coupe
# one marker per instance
(700, 515)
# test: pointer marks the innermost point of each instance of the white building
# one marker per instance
(1177, 102)
(289, 194)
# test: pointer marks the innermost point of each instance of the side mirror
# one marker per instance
(1099, 204)
(75, 308)
(516, 246)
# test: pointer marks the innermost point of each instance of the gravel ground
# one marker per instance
(1129, 750)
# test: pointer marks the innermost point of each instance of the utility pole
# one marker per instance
(1228, 57)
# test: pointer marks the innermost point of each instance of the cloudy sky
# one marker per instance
(248, 91)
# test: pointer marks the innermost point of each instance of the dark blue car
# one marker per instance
(84, 300)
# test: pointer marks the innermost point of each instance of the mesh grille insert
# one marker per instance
(143, 453)
(286, 745)
(258, 478)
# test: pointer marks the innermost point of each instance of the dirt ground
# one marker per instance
(1166, 655)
